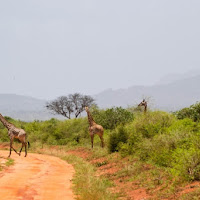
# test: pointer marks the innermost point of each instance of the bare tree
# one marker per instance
(76, 100)
(73, 103)
(62, 105)
(84, 101)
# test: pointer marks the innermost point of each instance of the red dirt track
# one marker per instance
(36, 177)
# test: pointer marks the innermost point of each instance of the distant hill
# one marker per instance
(170, 97)
(18, 102)
(24, 108)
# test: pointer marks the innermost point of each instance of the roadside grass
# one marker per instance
(9, 162)
(191, 196)
(158, 182)
(86, 183)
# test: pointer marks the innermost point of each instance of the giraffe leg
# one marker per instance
(25, 149)
(102, 141)
(11, 147)
(92, 140)
(15, 151)
(21, 149)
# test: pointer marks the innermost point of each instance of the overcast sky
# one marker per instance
(50, 48)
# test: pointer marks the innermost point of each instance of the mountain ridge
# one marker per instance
(172, 96)
(168, 97)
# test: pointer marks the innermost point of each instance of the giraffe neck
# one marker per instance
(145, 108)
(5, 123)
(90, 119)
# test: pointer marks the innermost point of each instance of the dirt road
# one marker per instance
(36, 177)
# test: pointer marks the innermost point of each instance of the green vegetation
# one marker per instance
(89, 186)
(193, 112)
(170, 142)
(112, 117)
(159, 138)
(9, 162)
(117, 137)
(86, 184)
(52, 132)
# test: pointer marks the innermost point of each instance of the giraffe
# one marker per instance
(94, 128)
(14, 132)
(144, 103)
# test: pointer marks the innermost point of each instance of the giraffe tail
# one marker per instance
(29, 144)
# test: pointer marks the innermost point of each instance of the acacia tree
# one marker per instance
(80, 102)
(71, 104)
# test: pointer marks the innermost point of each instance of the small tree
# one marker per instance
(71, 104)
(193, 112)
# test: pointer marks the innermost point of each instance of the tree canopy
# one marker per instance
(72, 104)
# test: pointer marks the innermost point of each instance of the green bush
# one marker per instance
(112, 117)
(4, 136)
(160, 138)
(193, 112)
(153, 123)
(143, 135)
(185, 125)
(158, 149)
(117, 137)
(186, 163)
(55, 132)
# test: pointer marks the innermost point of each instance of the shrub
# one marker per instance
(193, 112)
(112, 117)
(117, 138)
(185, 125)
(134, 139)
(186, 163)
(55, 132)
(153, 123)
(158, 149)
(4, 135)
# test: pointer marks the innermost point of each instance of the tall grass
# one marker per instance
(86, 183)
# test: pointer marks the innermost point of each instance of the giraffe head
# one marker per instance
(143, 103)
(86, 108)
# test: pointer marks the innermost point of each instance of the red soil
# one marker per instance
(36, 177)
(128, 190)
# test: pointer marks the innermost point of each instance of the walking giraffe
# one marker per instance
(14, 132)
(94, 128)
(144, 103)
